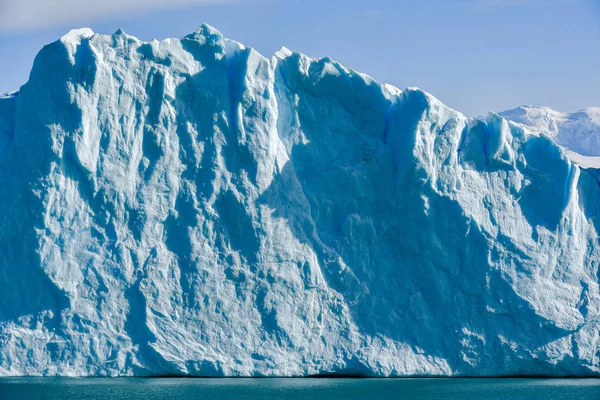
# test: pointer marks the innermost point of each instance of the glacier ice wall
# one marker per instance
(189, 207)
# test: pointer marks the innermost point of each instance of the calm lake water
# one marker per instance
(290, 389)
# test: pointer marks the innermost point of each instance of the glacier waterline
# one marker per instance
(291, 388)
(191, 207)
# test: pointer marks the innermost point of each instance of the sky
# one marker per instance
(474, 55)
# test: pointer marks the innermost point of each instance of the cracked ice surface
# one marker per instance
(191, 207)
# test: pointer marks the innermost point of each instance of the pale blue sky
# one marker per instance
(474, 55)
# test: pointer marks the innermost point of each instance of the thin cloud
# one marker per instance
(23, 15)
(520, 3)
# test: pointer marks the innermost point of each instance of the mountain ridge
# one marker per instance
(578, 131)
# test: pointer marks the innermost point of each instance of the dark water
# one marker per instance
(311, 389)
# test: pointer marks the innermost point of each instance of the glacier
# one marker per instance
(190, 207)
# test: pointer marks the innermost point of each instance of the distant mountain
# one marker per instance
(578, 132)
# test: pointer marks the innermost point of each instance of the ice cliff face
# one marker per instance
(191, 207)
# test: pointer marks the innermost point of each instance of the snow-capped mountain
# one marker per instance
(578, 132)
(190, 207)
